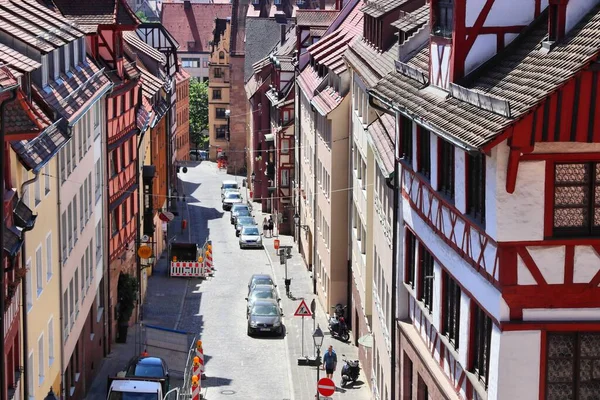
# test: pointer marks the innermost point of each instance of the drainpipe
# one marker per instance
(25, 324)
(10, 99)
(60, 289)
(298, 129)
(314, 242)
(393, 184)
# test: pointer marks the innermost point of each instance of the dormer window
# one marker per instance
(443, 14)
(373, 31)
(67, 60)
(82, 50)
(55, 57)
(45, 68)
(75, 48)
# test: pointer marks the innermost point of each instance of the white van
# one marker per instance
(228, 185)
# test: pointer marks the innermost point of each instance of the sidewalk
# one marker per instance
(304, 378)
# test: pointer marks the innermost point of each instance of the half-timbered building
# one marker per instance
(498, 148)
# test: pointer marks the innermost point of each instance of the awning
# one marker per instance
(366, 340)
(269, 137)
(12, 240)
(24, 217)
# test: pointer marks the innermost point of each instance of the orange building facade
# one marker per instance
(182, 134)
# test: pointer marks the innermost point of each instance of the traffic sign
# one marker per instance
(276, 244)
(166, 216)
(144, 251)
(302, 310)
(326, 387)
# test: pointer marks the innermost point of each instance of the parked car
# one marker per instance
(243, 221)
(149, 367)
(260, 292)
(265, 317)
(260, 279)
(239, 211)
(230, 199)
(250, 236)
(228, 185)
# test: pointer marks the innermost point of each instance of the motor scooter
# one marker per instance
(350, 371)
(338, 328)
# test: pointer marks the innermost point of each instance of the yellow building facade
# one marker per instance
(219, 88)
(41, 258)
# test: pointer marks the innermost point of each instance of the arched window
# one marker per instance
(221, 55)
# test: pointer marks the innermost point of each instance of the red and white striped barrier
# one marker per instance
(188, 269)
(200, 357)
(209, 260)
(195, 388)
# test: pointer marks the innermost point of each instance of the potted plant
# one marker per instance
(127, 293)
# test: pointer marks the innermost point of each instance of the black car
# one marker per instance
(265, 317)
(149, 367)
(260, 279)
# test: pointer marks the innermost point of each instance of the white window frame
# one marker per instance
(29, 287)
(37, 189)
(49, 266)
(29, 382)
(56, 62)
(46, 179)
(50, 341)
(41, 361)
(39, 270)
(45, 70)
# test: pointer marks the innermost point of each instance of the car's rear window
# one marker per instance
(230, 186)
(233, 195)
(155, 371)
(250, 231)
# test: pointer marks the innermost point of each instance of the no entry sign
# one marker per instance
(326, 387)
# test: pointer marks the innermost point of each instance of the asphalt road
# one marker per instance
(237, 366)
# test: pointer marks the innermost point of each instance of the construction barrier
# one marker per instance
(187, 269)
(200, 357)
(208, 259)
(196, 367)
(195, 388)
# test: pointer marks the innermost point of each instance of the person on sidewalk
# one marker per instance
(265, 226)
(329, 362)
(271, 225)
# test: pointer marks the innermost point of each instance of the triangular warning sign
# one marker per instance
(302, 310)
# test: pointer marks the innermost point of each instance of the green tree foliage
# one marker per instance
(127, 291)
(141, 16)
(198, 112)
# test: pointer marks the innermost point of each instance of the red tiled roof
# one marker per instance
(381, 132)
(91, 13)
(309, 81)
(17, 63)
(315, 18)
(327, 100)
(182, 75)
(195, 24)
(132, 39)
(6, 78)
(23, 117)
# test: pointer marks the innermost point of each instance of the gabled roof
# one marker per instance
(17, 63)
(370, 63)
(182, 75)
(92, 13)
(132, 39)
(381, 135)
(377, 8)
(35, 153)
(522, 75)
(151, 85)
(193, 27)
(410, 21)
(315, 18)
(37, 26)
(24, 117)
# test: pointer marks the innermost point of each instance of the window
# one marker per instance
(124, 214)
(46, 179)
(451, 310)
(482, 332)
(75, 218)
(97, 114)
(66, 314)
(407, 378)
(38, 191)
(30, 373)
(285, 177)
(216, 94)
(49, 271)
(41, 363)
(220, 113)
(29, 288)
(45, 69)
(476, 187)
(190, 62)
(81, 207)
(446, 169)
(411, 253)
(76, 288)
(63, 235)
(218, 73)
(285, 146)
(572, 365)
(443, 21)
(113, 222)
(422, 391)
(98, 242)
(424, 147)
(50, 341)
(67, 54)
(576, 199)
(220, 131)
(426, 277)
(39, 270)
(56, 63)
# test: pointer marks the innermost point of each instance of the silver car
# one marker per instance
(238, 210)
(241, 222)
(265, 317)
(260, 292)
(260, 279)
(230, 199)
(250, 236)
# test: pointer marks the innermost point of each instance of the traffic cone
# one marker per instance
(195, 388)
(200, 357)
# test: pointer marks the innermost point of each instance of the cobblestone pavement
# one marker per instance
(237, 366)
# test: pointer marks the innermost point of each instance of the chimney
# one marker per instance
(283, 29)
(187, 5)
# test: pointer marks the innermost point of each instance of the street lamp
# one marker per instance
(253, 176)
(297, 222)
(318, 341)
(228, 117)
(51, 395)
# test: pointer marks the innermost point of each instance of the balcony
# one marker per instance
(454, 228)
(11, 305)
(120, 182)
(14, 391)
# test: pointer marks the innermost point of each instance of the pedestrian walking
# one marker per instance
(265, 226)
(329, 362)
(271, 224)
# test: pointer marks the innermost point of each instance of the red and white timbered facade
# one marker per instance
(500, 182)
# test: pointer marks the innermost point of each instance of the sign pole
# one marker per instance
(303, 336)
(313, 309)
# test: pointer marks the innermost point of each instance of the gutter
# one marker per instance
(406, 113)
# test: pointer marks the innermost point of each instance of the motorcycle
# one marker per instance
(350, 372)
(337, 324)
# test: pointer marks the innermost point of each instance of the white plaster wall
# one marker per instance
(464, 331)
(494, 367)
(587, 264)
(98, 214)
(487, 295)
(492, 188)
(434, 161)
(524, 277)
(543, 5)
(437, 296)
(550, 261)
(520, 215)
(518, 366)
(439, 54)
(484, 47)
(414, 147)
(576, 9)
(473, 9)
(561, 314)
(510, 13)
(509, 37)
(460, 198)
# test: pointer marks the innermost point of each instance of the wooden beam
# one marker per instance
(512, 169)
(569, 264)
(477, 26)
(532, 266)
